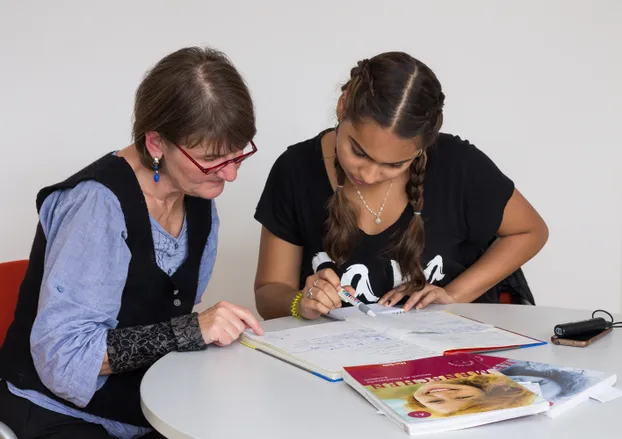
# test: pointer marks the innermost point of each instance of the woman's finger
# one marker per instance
(318, 306)
(393, 296)
(247, 318)
(440, 296)
(228, 316)
(416, 297)
(227, 333)
(413, 299)
(320, 296)
(330, 291)
(330, 276)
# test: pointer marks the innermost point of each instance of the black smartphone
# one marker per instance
(581, 340)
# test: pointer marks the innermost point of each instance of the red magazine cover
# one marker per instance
(441, 387)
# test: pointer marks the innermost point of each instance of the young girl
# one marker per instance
(346, 208)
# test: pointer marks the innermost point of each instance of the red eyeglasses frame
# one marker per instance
(237, 160)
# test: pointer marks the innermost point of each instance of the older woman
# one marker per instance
(123, 251)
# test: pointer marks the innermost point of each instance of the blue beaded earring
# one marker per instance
(156, 176)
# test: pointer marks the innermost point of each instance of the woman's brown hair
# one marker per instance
(194, 96)
(399, 93)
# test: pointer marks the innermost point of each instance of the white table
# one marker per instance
(236, 392)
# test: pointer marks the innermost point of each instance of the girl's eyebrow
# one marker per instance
(358, 145)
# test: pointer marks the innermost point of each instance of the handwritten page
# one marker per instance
(384, 324)
(419, 322)
(332, 346)
(490, 338)
(347, 311)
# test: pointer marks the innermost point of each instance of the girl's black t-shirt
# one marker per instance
(465, 195)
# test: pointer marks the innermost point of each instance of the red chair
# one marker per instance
(11, 276)
(505, 297)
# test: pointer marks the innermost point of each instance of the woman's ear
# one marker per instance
(154, 144)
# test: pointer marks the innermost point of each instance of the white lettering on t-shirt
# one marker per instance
(433, 273)
(363, 288)
(434, 270)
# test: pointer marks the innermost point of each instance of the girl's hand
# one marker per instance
(429, 294)
(320, 294)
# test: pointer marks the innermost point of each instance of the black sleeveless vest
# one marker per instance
(150, 295)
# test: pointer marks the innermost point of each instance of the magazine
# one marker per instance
(442, 393)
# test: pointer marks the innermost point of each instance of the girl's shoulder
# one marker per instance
(300, 162)
(452, 154)
(453, 147)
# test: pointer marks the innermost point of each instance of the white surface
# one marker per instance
(535, 84)
(240, 393)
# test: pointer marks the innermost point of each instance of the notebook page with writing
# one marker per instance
(331, 346)
(433, 322)
(491, 338)
(344, 312)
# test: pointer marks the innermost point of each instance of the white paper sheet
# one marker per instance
(608, 394)
(345, 312)
(419, 322)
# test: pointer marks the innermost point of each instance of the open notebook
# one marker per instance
(325, 349)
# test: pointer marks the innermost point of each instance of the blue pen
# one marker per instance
(356, 303)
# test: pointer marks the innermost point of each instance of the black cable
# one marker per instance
(612, 324)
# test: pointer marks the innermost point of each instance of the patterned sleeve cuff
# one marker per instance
(188, 333)
(141, 346)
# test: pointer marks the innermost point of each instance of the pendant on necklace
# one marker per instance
(377, 220)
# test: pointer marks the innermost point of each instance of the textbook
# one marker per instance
(564, 387)
(442, 393)
(325, 349)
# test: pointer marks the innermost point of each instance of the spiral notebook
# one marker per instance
(325, 349)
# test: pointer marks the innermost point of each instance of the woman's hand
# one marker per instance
(223, 323)
(429, 294)
(320, 294)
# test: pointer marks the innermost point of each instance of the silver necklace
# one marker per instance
(377, 215)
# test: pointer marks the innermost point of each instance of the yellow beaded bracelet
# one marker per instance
(294, 307)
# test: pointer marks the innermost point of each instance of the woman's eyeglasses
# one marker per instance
(246, 153)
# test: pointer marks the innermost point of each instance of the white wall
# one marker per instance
(534, 83)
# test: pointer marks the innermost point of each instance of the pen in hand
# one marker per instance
(349, 298)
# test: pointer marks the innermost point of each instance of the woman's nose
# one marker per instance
(230, 172)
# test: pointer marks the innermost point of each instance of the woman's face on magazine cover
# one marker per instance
(447, 398)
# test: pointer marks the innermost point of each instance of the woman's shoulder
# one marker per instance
(87, 190)
(89, 196)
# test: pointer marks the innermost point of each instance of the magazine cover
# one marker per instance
(559, 384)
(441, 387)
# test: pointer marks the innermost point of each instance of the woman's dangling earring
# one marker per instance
(156, 168)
